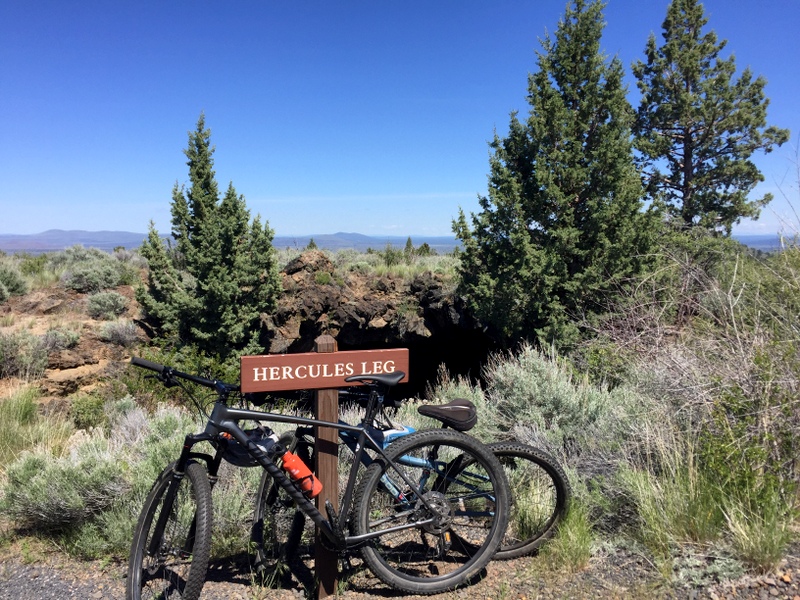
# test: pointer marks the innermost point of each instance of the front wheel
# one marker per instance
(441, 531)
(174, 566)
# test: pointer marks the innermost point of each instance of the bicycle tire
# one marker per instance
(280, 532)
(540, 495)
(433, 558)
(179, 570)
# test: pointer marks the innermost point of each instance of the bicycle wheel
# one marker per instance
(540, 495)
(433, 548)
(178, 569)
(280, 533)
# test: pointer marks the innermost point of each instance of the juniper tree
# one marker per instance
(562, 223)
(210, 289)
(697, 128)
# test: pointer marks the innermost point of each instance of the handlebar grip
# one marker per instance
(146, 364)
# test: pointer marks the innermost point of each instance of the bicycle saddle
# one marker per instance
(460, 414)
(387, 379)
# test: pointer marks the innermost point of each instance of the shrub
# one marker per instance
(60, 339)
(22, 428)
(4, 293)
(87, 411)
(122, 333)
(49, 495)
(92, 277)
(13, 281)
(89, 270)
(106, 305)
(22, 355)
(323, 278)
(32, 265)
(538, 391)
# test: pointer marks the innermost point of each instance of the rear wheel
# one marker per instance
(441, 532)
(174, 566)
(540, 496)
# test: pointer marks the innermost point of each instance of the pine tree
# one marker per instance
(697, 128)
(562, 222)
(222, 274)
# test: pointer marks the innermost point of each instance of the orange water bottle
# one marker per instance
(301, 474)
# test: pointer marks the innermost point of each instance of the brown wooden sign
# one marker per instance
(314, 371)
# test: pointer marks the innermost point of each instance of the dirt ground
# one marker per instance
(39, 573)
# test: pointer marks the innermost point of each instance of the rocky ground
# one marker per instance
(40, 574)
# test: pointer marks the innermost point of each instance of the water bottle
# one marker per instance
(299, 472)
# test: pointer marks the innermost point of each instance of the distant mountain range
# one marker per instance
(57, 239)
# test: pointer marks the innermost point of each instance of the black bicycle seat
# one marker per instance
(387, 379)
(460, 414)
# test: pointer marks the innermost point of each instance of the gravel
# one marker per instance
(618, 575)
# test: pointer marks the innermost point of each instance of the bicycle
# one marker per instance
(539, 499)
(419, 524)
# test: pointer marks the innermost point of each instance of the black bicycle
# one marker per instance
(427, 515)
(540, 490)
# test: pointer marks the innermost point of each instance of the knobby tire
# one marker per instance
(470, 514)
(179, 568)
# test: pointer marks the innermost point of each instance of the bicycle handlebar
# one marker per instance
(167, 373)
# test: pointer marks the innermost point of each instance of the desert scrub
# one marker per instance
(121, 332)
(106, 305)
(22, 355)
(46, 494)
(23, 428)
(87, 411)
(12, 279)
(90, 270)
(60, 338)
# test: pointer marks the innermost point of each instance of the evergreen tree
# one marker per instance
(697, 128)
(222, 274)
(562, 221)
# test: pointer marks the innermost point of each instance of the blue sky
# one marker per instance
(372, 117)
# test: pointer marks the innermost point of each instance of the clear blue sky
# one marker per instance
(365, 116)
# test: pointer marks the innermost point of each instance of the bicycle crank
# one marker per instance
(438, 512)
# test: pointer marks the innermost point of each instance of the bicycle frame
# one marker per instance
(224, 419)
(346, 434)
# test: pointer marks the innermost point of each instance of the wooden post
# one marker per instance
(326, 459)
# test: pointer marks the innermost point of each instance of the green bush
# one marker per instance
(4, 293)
(92, 277)
(13, 281)
(23, 428)
(538, 391)
(89, 270)
(87, 411)
(60, 339)
(32, 265)
(48, 495)
(122, 333)
(106, 305)
(22, 355)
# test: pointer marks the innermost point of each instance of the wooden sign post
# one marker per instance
(324, 370)
(326, 461)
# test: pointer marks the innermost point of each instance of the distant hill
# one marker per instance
(57, 239)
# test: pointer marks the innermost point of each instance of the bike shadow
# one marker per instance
(298, 575)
